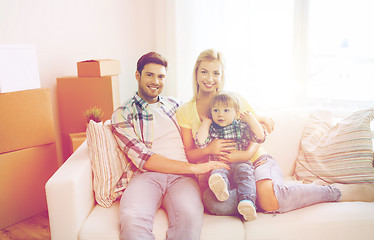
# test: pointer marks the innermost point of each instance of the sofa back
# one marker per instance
(284, 142)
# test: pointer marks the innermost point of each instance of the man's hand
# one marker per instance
(202, 168)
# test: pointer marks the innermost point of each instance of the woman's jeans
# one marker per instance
(147, 192)
(290, 197)
(240, 176)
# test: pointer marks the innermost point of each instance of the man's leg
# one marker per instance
(139, 204)
(184, 207)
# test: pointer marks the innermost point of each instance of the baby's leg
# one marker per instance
(219, 184)
(243, 176)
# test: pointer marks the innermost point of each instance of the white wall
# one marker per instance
(67, 31)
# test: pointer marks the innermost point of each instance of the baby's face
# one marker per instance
(223, 115)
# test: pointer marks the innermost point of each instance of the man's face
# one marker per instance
(151, 82)
(223, 115)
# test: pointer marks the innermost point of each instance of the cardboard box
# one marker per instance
(75, 95)
(98, 68)
(76, 140)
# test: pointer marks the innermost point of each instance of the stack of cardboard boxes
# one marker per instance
(97, 85)
(28, 155)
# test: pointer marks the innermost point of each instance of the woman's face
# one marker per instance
(208, 76)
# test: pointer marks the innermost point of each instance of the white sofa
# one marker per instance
(73, 213)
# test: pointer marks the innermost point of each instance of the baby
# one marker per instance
(223, 124)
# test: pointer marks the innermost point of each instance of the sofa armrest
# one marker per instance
(70, 197)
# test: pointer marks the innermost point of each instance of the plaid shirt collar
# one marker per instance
(143, 104)
(229, 127)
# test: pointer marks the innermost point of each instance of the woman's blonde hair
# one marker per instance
(208, 55)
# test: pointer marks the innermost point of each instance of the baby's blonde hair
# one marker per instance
(228, 99)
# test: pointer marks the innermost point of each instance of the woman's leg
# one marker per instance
(274, 195)
(215, 207)
(266, 199)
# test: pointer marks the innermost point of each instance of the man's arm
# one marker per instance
(144, 158)
(158, 163)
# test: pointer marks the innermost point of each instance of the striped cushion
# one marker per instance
(110, 167)
(337, 153)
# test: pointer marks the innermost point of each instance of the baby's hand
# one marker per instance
(206, 119)
(246, 116)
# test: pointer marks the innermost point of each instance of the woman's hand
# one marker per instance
(221, 147)
(266, 122)
(240, 156)
(235, 156)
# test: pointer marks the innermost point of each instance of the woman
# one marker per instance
(272, 194)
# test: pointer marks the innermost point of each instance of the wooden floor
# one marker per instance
(34, 228)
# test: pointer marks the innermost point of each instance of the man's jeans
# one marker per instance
(290, 197)
(241, 177)
(147, 192)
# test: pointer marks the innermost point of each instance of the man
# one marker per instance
(149, 135)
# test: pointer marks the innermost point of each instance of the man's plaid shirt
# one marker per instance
(237, 130)
(133, 127)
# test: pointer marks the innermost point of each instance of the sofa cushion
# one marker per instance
(222, 228)
(337, 153)
(338, 220)
(214, 227)
(108, 163)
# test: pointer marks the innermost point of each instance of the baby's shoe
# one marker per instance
(219, 187)
(247, 209)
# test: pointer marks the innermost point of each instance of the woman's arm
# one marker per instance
(193, 153)
(203, 132)
(266, 122)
